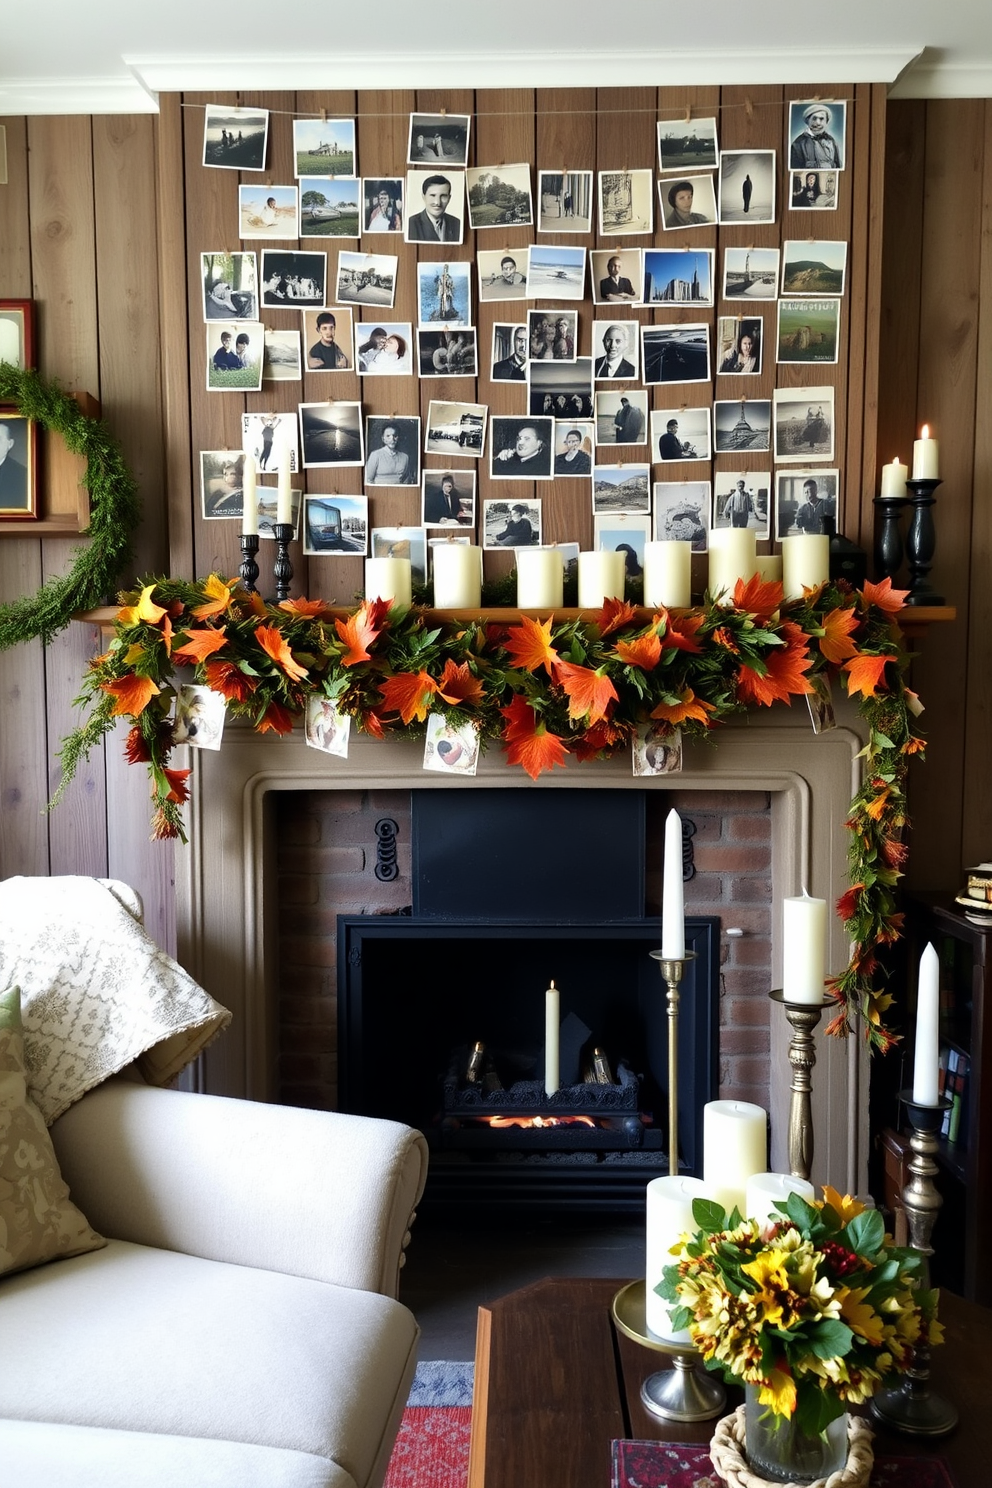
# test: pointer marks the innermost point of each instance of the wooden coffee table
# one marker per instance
(556, 1382)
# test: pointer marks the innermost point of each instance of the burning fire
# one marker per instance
(503, 1121)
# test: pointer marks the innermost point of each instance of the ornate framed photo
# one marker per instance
(18, 467)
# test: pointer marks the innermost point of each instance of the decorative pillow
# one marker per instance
(37, 1220)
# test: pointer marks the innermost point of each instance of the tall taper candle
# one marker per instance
(552, 1018)
(249, 499)
(925, 1059)
(804, 949)
(669, 1215)
(284, 494)
(672, 902)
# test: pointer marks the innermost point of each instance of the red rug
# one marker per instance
(431, 1450)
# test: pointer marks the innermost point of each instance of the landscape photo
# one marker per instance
(813, 268)
(324, 147)
(808, 330)
(235, 138)
(328, 207)
(621, 488)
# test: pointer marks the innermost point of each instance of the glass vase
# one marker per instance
(778, 1450)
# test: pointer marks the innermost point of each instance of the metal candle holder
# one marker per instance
(910, 1406)
(803, 1018)
(282, 570)
(921, 542)
(673, 971)
(249, 568)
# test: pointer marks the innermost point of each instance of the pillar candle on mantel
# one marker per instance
(669, 1215)
(672, 894)
(389, 578)
(284, 494)
(733, 556)
(735, 1147)
(668, 574)
(804, 949)
(249, 499)
(540, 578)
(552, 1021)
(925, 1059)
(764, 1190)
(926, 456)
(601, 576)
(894, 479)
(457, 576)
(805, 562)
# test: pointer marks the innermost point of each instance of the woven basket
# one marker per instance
(727, 1455)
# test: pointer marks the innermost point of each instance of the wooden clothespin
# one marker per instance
(688, 114)
(749, 109)
(323, 116)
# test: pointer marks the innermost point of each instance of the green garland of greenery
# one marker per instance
(115, 508)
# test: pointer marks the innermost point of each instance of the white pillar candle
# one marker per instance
(769, 566)
(926, 456)
(894, 478)
(249, 499)
(284, 494)
(668, 574)
(552, 1019)
(672, 902)
(804, 949)
(805, 562)
(601, 577)
(540, 578)
(764, 1190)
(457, 576)
(735, 1143)
(732, 557)
(389, 578)
(925, 1059)
(669, 1215)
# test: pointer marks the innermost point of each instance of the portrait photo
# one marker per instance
(448, 498)
(564, 201)
(448, 353)
(328, 207)
(336, 526)
(556, 272)
(560, 389)
(621, 417)
(616, 348)
(324, 147)
(621, 488)
(747, 186)
(687, 201)
(404, 542)
(385, 348)
(802, 499)
(656, 749)
(739, 342)
(451, 747)
(551, 335)
(499, 196)
(626, 533)
(575, 440)
(804, 425)
(444, 293)
(814, 191)
(687, 145)
(808, 330)
(741, 499)
(235, 138)
(676, 353)
(268, 211)
(230, 287)
(234, 356)
(17, 333)
(199, 717)
(682, 513)
(678, 276)
(328, 338)
(455, 428)
(325, 727)
(366, 278)
(509, 353)
(293, 281)
(382, 204)
(438, 137)
(281, 356)
(750, 273)
(626, 202)
(511, 524)
(265, 436)
(813, 268)
(435, 206)
(817, 135)
(392, 450)
(502, 273)
(743, 424)
(617, 275)
(521, 449)
(18, 467)
(680, 434)
(221, 484)
(332, 434)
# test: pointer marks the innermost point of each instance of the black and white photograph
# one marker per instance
(575, 441)
(366, 279)
(265, 436)
(687, 201)
(813, 268)
(293, 281)
(329, 339)
(626, 533)
(325, 727)
(564, 201)
(750, 273)
(817, 135)
(556, 272)
(741, 499)
(436, 138)
(199, 717)
(621, 488)
(621, 417)
(560, 389)
(502, 273)
(267, 211)
(450, 747)
(444, 293)
(382, 204)
(332, 434)
(435, 206)
(616, 348)
(235, 138)
(392, 450)
(230, 286)
(617, 275)
(281, 360)
(385, 348)
(739, 345)
(808, 330)
(682, 513)
(552, 335)
(802, 499)
(676, 353)
(448, 353)
(449, 498)
(336, 526)
(509, 354)
(499, 196)
(221, 484)
(329, 207)
(404, 542)
(656, 749)
(521, 448)
(742, 424)
(804, 425)
(455, 428)
(507, 523)
(680, 434)
(687, 145)
(814, 191)
(324, 147)
(626, 202)
(747, 186)
(234, 356)
(678, 276)
(17, 333)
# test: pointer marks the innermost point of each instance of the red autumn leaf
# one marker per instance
(274, 644)
(133, 694)
(589, 693)
(688, 707)
(601, 738)
(519, 717)
(680, 632)
(309, 609)
(372, 724)
(409, 694)
(136, 750)
(644, 652)
(785, 668)
(219, 592)
(163, 827)
(847, 904)
(457, 684)
(721, 635)
(200, 644)
(528, 742)
(884, 596)
(865, 673)
(614, 614)
(275, 720)
(360, 630)
(836, 643)
(178, 789)
(758, 597)
(893, 853)
(529, 644)
(229, 680)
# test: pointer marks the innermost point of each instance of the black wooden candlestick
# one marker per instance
(888, 538)
(282, 569)
(921, 542)
(249, 568)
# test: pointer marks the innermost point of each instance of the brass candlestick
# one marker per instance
(803, 1018)
(687, 1391)
(673, 971)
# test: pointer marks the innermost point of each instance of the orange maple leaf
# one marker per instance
(457, 684)
(528, 743)
(274, 644)
(757, 596)
(200, 644)
(847, 904)
(689, 707)
(598, 740)
(372, 724)
(865, 673)
(836, 643)
(644, 652)
(614, 614)
(219, 591)
(884, 596)
(877, 805)
(360, 630)
(275, 720)
(409, 694)
(132, 694)
(136, 750)
(229, 680)
(784, 675)
(178, 789)
(310, 609)
(589, 693)
(529, 644)
(680, 631)
(913, 746)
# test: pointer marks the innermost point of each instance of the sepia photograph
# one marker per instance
(366, 278)
(626, 533)
(384, 348)
(552, 335)
(688, 201)
(444, 293)
(521, 448)
(448, 498)
(332, 434)
(621, 488)
(438, 137)
(626, 202)
(448, 353)
(292, 281)
(678, 276)
(18, 466)
(564, 201)
(814, 191)
(682, 513)
(687, 145)
(808, 330)
(267, 211)
(17, 333)
(221, 484)
(265, 436)
(511, 524)
(621, 418)
(680, 434)
(560, 389)
(328, 207)
(455, 428)
(325, 727)
(499, 196)
(324, 147)
(509, 353)
(230, 287)
(435, 206)
(392, 450)
(804, 424)
(802, 499)
(617, 275)
(656, 749)
(404, 542)
(744, 424)
(556, 272)
(750, 273)
(574, 443)
(813, 268)
(616, 349)
(741, 499)
(502, 273)
(336, 526)
(234, 357)
(235, 138)
(382, 204)
(739, 342)
(747, 186)
(327, 335)
(817, 135)
(281, 356)
(676, 353)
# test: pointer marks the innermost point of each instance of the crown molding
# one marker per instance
(125, 94)
(936, 78)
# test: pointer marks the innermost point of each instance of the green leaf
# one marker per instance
(815, 1409)
(803, 1215)
(831, 1339)
(709, 1216)
(865, 1233)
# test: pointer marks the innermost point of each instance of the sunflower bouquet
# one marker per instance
(815, 1311)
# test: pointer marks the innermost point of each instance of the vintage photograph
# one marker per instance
(682, 513)
(687, 145)
(265, 436)
(808, 330)
(451, 746)
(392, 451)
(327, 336)
(616, 349)
(747, 186)
(813, 268)
(234, 138)
(281, 356)
(230, 288)
(626, 533)
(744, 424)
(509, 354)
(268, 211)
(564, 201)
(448, 498)
(325, 727)
(521, 449)
(680, 434)
(817, 135)
(740, 499)
(435, 206)
(678, 276)
(617, 275)
(267, 509)
(676, 353)
(438, 137)
(234, 356)
(502, 273)
(621, 488)
(404, 542)
(739, 341)
(814, 191)
(626, 202)
(18, 466)
(332, 434)
(455, 428)
(802, 499)
(448, 353)
(574, 443)
(804, 424)
(552, 335)
(17, 333)
(511, 524)
(656, 749)
(688, 201)
(556, 272)
(328, 207)
(292, 281)
(444, 293)
(324, 147)
(366, 278)
(382, 204)
(221, 484)
(750, 273)
(560, 389)
(385, 349)
(336, 526)
(621, 418)
(499, 196)
(199, 717)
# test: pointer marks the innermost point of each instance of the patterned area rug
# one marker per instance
(431, 1450)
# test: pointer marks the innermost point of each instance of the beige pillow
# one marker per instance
(37, 1220)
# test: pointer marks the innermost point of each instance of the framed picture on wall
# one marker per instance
(18, 467)
(17, 333)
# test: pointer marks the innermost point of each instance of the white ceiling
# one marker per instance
(113, 56)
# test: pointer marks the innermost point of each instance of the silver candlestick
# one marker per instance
(803, 1018)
